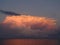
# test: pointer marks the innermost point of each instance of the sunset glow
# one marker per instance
(30, 22)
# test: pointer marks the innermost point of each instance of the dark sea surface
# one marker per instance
(29, 42)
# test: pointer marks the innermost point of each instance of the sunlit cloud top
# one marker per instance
(28, 25)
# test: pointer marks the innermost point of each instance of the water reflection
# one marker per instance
(29, 42)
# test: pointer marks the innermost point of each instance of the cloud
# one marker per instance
(7, 32)
(28, 27)
(9, 12)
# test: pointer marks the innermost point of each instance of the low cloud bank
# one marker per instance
(28, 27)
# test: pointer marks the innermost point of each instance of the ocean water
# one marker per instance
(29, 42)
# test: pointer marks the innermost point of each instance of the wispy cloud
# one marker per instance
(9, 12)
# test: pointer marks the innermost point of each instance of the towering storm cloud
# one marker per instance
(27, 26)
(9, 12)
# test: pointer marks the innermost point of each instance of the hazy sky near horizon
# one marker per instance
(48, 8)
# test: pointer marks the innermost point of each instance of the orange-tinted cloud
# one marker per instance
(33, 26)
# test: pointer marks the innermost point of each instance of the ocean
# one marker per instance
(29, 42)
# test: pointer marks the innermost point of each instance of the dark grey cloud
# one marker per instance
(7, 32)
(9, 12)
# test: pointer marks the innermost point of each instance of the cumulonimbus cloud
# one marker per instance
(28, 26)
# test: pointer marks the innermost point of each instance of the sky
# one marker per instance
(48, 8)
